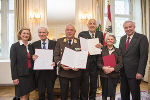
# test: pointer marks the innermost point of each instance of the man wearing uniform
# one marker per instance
(66, 73)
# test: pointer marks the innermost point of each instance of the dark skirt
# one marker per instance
(109, 86)
(25, 86)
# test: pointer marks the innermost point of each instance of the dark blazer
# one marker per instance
(86, 35)
(136, 55)
(37, 45)
(19, 60)
(118, 58)
(59, 49)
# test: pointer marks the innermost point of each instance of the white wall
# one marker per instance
(5, 73)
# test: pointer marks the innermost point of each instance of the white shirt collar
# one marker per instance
(46, 41)
(130, 36)
(91, 34)
(21, 42)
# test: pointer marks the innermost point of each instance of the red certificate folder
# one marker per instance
(109, 60)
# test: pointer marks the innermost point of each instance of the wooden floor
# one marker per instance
(7, 92)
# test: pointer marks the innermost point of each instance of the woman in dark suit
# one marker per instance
(110, 75)
(22, 64)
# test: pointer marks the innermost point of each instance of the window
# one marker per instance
(120, 12)
(6, 26)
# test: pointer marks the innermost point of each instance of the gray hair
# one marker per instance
(107, 35)
(70, 25)
(46, 29)
(129, 21)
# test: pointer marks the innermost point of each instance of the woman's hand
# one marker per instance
(107, 69)
(34, 57)
(16, 81)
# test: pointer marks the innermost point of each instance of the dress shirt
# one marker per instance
(70, 42)
(91, 34)
(46, 45)
(110, 51)
(21, 43)
(130, 38)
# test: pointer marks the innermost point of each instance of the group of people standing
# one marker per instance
(131, 59)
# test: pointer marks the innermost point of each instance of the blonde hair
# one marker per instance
(20, 31)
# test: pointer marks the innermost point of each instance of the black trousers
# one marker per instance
(130, 85)
(93, 74)
(64, 87)
(84, 85)
(93, 84)
(109, 86)
(46, 81)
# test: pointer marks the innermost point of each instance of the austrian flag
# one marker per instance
(108, 28)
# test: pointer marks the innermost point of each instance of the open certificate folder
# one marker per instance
(109, 60)
(74, 59)
(44, 60)
(90, 45)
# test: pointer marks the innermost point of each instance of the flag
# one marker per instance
(108, 28)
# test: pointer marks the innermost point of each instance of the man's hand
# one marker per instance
(65, 67)
(16, 81)
(75, 69)
(34, 57)
(53, 64)
(99, 45)
(139, 76)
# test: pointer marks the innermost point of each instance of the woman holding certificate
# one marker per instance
(109, 66)
(22, 64)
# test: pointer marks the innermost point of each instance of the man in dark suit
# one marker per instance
(66, 73)
(45, 78)
(91, 72)
(134, 49)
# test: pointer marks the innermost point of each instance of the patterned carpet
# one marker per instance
(144, 96)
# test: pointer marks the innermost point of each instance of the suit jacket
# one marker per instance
(19, 60)
(136, 55)
(51, 45)
(59, 49)
(118, 58)
(86, 35)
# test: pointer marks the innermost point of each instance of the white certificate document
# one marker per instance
(90, 45)
(44, 60)
(74, 59)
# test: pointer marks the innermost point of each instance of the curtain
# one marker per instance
(21, 13)
(40, 7)
(23, 10)
(141, 8)
(84, 8)
(100, 12)
(145, 27)
(145, 17)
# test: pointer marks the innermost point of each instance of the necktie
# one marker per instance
(69, 42)
(127, 43)
(92, 36)
(44, 46)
